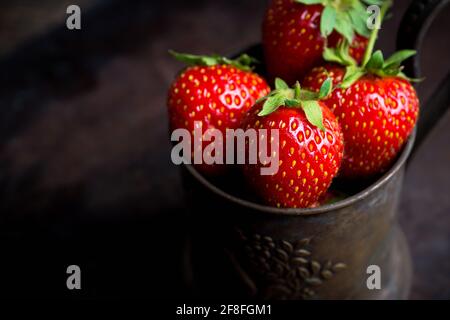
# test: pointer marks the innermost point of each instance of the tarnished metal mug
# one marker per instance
(243, 248)
(239, 248)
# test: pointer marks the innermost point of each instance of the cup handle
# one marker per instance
(413, 29)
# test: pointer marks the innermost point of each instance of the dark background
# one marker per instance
(85, 172)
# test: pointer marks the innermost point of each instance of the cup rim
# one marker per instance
(311, 211)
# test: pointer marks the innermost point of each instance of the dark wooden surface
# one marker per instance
(85, 173)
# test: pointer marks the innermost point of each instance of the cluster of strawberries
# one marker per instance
(349, 110)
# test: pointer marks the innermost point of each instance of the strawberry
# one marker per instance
(310, 146)
(296, 31)
(375, 104)
(214, 91)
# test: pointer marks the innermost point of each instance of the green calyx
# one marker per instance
(243, 62)
(297, 98)
(347, 17)
(391, 66)
(373, 63)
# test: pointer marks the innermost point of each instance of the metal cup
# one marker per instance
(240, 248)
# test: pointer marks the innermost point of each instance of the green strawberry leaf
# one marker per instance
(397, 58)
(260, 100)
(310, 1)
(414, 80)
(292, 102)
(313, 113)
(308, 95)
(376, 62)
(344, 16)
(340, 54)
(344, 26)
(352, 74)
(247, 60)
(392, 66)
(331, 55)
(243, 62)
(326, 88)
(193, 60)
(358, 16)
(343, 49)
(388, 72)
(272, 104)
(327, 21)
(375, 2)
(296, 97)
(280, 84)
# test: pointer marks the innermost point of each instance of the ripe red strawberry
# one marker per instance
(375, 104)
(296, 31)
(310, 146)
(215, 91)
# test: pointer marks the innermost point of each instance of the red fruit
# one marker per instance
(309, 157)
(217, 92)
(376, 114)
(294, 34)
(375, 104)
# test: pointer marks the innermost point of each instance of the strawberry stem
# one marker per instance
(297, 90)
(374, 33)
